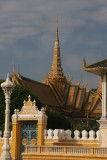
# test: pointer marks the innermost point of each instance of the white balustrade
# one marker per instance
(50, 134)
(76, 134)
(84, 135)
(61, 134)
(57, 134)
(91, 135)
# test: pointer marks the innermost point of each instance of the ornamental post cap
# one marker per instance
(7, 83)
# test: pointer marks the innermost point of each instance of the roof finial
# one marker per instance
(13, 69)
(18, 72)
(84, 63)
(57, 37)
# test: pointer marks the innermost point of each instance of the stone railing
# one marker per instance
(66, 150)
(58, 150)
(67, 134)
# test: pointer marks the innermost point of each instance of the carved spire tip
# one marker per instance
(57, 37)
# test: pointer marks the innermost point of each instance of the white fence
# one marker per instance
(66, 150)
(67, 134)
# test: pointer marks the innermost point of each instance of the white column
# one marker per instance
(103, 120)
(104, 96)
(7, 86)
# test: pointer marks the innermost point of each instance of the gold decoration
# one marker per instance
(33, 141)
(24, 141)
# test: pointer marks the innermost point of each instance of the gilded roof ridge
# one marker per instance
(33, 81)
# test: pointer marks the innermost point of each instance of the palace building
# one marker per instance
(58, 93)
(31, 140)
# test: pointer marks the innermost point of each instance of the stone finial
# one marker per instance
(7, 83)
(29, 98)
(16, 111)
(34, 103)
(43, 110)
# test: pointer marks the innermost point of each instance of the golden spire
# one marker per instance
(57, 37)
(56, 69)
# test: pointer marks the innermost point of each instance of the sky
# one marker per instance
(28, 30)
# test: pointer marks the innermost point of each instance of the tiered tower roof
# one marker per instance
(56, 69)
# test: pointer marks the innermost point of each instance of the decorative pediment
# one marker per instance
(29, 107)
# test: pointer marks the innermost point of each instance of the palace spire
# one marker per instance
(56, 69)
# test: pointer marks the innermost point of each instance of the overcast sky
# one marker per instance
(28, 30)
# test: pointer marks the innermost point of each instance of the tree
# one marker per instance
(57, 121)
(19, 94)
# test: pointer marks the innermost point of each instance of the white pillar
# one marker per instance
(7, 86)
(103, 120)
(104, 96)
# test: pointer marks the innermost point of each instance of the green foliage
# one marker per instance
(81, 127)
(19, 94)
(2, 107)
(93, 124)
(57, 121)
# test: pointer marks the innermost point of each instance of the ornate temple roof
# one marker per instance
(42, 91)
(59, 93)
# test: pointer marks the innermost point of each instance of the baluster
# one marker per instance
(76, 134)
(73, 150)
(91, 135)
(67, 149)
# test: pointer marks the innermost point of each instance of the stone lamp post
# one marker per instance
(7, 87)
